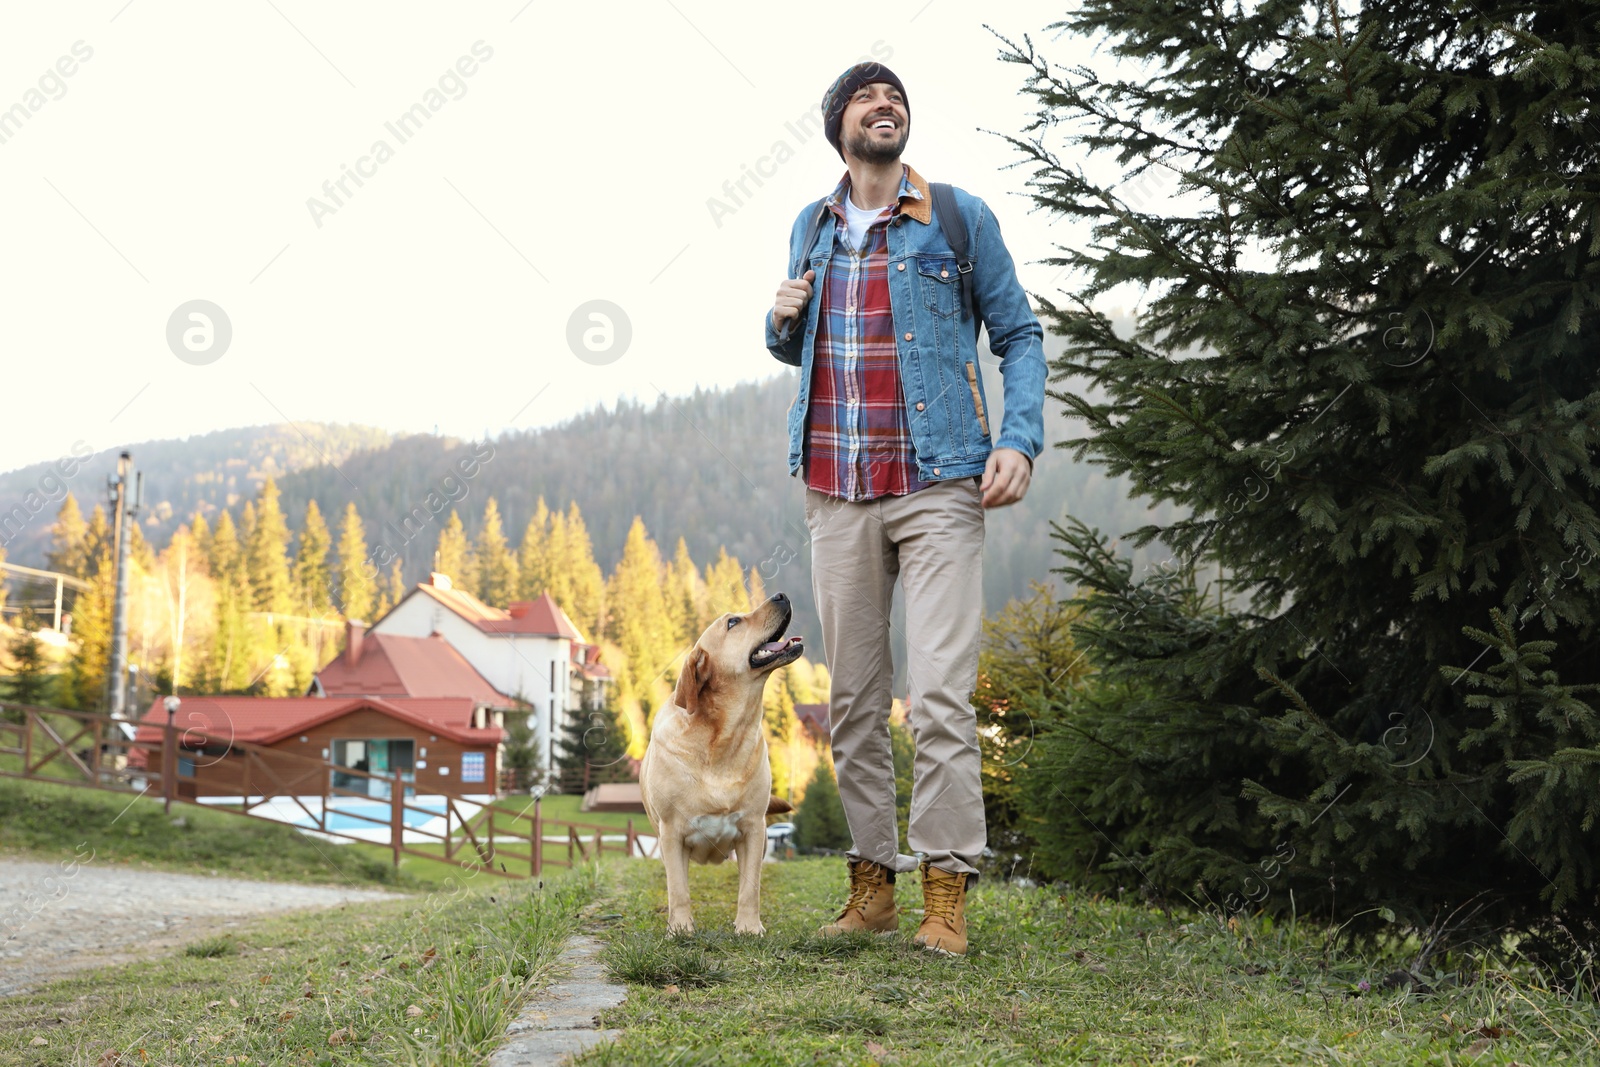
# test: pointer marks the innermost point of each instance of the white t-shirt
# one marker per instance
(857, 220)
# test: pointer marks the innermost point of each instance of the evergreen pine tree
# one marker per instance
(235, 643)
(267, 555)
(91, 616)
(1366, 369)
(586, 583)
(201, 531)
(725, 591)
(819, 821)
(395, 590)
(357, 586)
(639, 622)
(313, 579)
(452, 555)
(497, 575)
(68, 541)
(597, 738)
(533, 555)
(31, 680)
(685, 592)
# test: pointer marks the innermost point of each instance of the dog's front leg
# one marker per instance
(752, 850)
(680, 920)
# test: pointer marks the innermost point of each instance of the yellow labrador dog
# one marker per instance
(705, 778)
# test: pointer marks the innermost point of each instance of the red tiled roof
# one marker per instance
(538, 618)
(394, 666)
(267, 720)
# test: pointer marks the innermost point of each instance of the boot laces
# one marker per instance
(941, 896)
(862, 886)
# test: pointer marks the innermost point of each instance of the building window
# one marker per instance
(552, 676)
(185, 766)
(381, 757)
(472, 767)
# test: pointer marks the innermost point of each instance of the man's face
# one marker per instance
(875, 124)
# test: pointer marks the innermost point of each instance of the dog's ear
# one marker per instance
(693, 680)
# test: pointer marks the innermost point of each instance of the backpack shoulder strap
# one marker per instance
(819, 209)
(812, 228)
(955, 234)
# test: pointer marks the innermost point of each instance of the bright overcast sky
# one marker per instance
(574, 163)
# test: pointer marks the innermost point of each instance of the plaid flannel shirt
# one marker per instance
(858, 442)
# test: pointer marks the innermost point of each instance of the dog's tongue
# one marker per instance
(778, 646)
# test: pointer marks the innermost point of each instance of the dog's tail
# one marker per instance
(778, 806)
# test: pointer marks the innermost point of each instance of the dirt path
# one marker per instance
(54, 919)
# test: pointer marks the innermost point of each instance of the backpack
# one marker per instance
(955, 234)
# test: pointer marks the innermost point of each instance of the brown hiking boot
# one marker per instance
(870, 905)
(944, 912)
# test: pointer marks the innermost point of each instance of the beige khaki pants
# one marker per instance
(932, 541)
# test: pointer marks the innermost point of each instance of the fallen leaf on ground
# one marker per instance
(264, 979)
(340, 1036)
(110, 1058)
(38, 1042)
(413, 1011)
(233, 1002)
(877, 1050)
(284, 1017)
(1480, 1046)
(669, 989)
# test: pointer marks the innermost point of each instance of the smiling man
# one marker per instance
(891, 430)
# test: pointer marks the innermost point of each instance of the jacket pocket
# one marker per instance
(977, 398)
(938, 277)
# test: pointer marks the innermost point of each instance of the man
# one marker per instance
(891, 429)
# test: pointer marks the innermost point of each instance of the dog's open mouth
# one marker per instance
(778, 650)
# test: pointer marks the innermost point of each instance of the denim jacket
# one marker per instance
(938, 350)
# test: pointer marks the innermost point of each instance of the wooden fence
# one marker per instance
(93, 751)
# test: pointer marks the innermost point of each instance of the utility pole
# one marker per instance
(127, 494)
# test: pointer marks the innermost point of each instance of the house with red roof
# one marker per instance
(434, 744)
(530, 651)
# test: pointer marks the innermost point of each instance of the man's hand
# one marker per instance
(793, 295)
(1005, 478)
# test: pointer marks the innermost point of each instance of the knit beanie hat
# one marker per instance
(844, 87)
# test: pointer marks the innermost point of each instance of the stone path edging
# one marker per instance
(560, 1021)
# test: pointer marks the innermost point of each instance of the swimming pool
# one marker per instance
(344, 817)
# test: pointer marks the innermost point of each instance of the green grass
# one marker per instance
(431, 980)
(52, 822)
(1051, 978)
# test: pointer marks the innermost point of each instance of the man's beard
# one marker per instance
(868, 149)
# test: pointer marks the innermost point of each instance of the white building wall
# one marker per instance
(518, 665)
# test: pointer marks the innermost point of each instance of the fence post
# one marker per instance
(244, 801)
(598, 844)
(99, 739)
(538, 840)
(489, 842)
(397, 816)
(169, 763)
(632, 841)
(27, 742)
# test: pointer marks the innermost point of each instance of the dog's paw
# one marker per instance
(680, 930)
(755, 929)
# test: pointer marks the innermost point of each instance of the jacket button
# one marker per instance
(936, 470)
(908, 337)
(944, 274)
(919, 405)
(901, 267)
